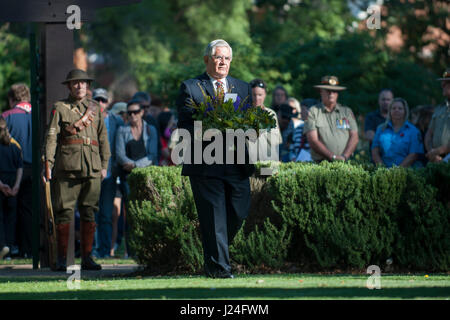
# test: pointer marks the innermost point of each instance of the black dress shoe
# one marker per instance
(226, 275)
(221, 275)
(89, 264)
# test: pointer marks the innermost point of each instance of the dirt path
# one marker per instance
(26, 270)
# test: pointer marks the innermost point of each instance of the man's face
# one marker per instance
(78, 88)
(258, 96)
(446, 89)
(218, 65)
(279, 97)
(329, 98)
(384, 100)
(103, 103)
(284, 121)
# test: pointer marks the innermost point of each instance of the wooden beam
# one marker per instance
(58, 45)
(53, 10)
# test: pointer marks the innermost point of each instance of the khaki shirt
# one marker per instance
(333, 128)
(440, 125)
(76, 160)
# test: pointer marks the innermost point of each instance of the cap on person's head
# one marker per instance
(77, 74)
(100, 93)
(330, 83)
(119, 108)
(142, 97)
(445, 76)
(286, 111)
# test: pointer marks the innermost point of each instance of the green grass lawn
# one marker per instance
(257, 287)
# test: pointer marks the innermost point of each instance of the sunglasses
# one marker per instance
(101, 100)
(258, 84)
(130, 112)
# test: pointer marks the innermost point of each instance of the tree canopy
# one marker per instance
(285, 42)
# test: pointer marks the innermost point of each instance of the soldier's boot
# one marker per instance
(87, 239)
(62, 233)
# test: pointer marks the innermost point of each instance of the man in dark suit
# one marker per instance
(221, 191)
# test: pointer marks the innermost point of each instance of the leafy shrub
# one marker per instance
(162, 216)
(326, 216)
(261, 248)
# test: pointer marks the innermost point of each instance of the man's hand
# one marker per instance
(433, 153)
(46, 176)
(104, 173)
(6, 190)
(14, 191)
(128, 166)
(434, 158)
(339, 158)
(3, 188)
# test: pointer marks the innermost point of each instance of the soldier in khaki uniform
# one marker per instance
(437, 138)
(331, 128)
(77, 151)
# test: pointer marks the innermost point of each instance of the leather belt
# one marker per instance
(85, 141)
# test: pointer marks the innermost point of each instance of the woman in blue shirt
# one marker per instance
(397, 142)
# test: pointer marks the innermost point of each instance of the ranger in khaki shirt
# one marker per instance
(77, 152)
(331, 128)
(437, 138)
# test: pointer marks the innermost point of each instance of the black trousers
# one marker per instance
(222, 205)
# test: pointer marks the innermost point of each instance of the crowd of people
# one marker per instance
(139, 134)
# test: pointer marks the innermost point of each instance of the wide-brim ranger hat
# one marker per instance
(330, 83)
(77, 74)
(445, 76)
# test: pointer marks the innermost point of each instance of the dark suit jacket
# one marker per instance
(190, 89)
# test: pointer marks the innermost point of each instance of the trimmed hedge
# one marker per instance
(316, 217)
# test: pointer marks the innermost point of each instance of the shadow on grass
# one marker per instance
(239, 293)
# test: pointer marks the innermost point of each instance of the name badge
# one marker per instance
(232, 96)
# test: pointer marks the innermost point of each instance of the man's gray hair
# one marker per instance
(211, 47)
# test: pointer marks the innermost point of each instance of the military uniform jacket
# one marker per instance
(440, 124)
(333, 128)
(80, 155)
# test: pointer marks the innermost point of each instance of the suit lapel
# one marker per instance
(231, 86)
(206, 83)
